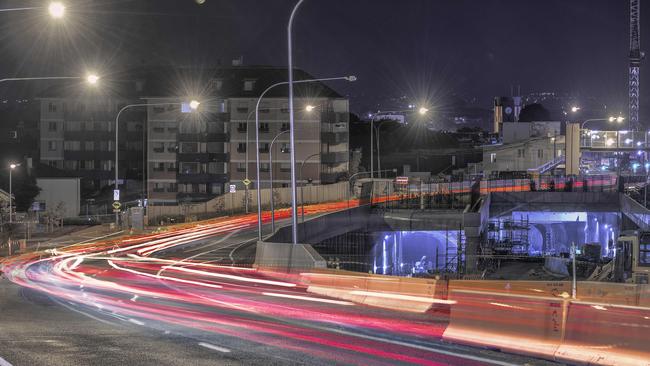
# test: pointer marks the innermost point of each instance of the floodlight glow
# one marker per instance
(194, 104)
(309, 108)
(423, 111)
(574, 109)
(92, 79)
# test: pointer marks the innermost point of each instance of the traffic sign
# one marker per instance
(116, 195)
(402, 180)
(117, 205)
(233, 188)
(247, 181)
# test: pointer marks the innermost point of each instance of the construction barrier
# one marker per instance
(598, 334)
(521, 324)
(395, 293)
(533, 288)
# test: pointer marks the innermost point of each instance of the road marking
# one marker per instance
(214, 348)
(134, 321)
(423, 348)
(4, 362)
(306, 298)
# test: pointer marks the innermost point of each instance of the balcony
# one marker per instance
(89, 135)
(203, 157)
(334, 157)
(89, 155)
(334, 138)
(202, 178)
(204, 137)
(241, 150)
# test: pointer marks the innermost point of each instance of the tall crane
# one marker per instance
(635, 61)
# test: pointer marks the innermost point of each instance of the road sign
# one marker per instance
(402, 180)
(233, 188)
(116, 195)
(117, 205)
(247, 181)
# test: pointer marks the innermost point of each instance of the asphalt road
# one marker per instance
(167, 300)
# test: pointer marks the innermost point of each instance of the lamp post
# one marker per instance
(422, 111)
(308, 108)
(56, 9)
(618, 119)
(12, 166)
(302, 186)
(292, 152)
(194, 105)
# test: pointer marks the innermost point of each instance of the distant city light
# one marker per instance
(56, 10)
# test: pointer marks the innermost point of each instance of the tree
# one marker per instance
(24, 190)
(533, 113)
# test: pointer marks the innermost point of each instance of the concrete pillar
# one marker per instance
(572, 149)
(471, 253)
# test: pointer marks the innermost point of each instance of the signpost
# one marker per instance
(247, 182)
(402, 180)
(116, 195)
(233, 188)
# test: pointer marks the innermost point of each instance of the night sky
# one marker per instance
(427, 50)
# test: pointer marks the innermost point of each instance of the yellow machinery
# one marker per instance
(632, 258)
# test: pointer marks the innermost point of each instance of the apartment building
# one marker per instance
(171, 153)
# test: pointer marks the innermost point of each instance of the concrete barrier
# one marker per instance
(521, 324)
(395, 293)
(561, 289)
(598, 334)
(608, 293)
(287, 256)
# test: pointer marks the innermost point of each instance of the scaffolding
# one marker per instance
(508, 237)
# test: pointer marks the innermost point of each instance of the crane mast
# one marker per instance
(635, 61)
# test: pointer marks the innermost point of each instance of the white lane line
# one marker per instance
(214, 348)
(423, 348)
(4, 362)
(306, 298)
(134, 321)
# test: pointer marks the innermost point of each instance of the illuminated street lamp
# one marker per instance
(12, 166)
(309, 108)
(421, 111)
(611, 119)
(56, 10)
(294, 208)
(575, 109)
(193, 106)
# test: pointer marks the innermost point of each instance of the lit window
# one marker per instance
(249, 85)
(493, 158)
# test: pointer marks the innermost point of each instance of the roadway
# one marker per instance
(174, 298)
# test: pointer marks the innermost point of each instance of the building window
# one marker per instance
(171, 147)
(158, 109)
(249, 85)
(284, 109)
(158, 147)
(158, 167)
(241, 167)
(242, 107)
(559, 153)
(189, 147)
(241, 127)
(172, 129)
(89, 145)
(264, 147)
(171, 167)
(172, 187)
(51, 145)
(264, 167)
(285, 167)
(71, 164)
(51, 126)
(217, 84)
(284, 126)
(264, 127)
(285, 148)
(189, 168)
(264, 110)
(88, 164)
(493, 158)
(106, 165)
(158, 187)
(51, 107)
(72, 145)
(241, 147)
(521, 153)
(540, 153)
(202, 188)
(159, 130)
(644, 254)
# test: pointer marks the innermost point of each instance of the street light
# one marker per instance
(422, 111)
(309, 108)
(91, 79)
(575, 109)
(618, 119)
(12, 166)
(302, 188)
(194, 105)
(294, 208)
(56, 10)
(117, 138)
